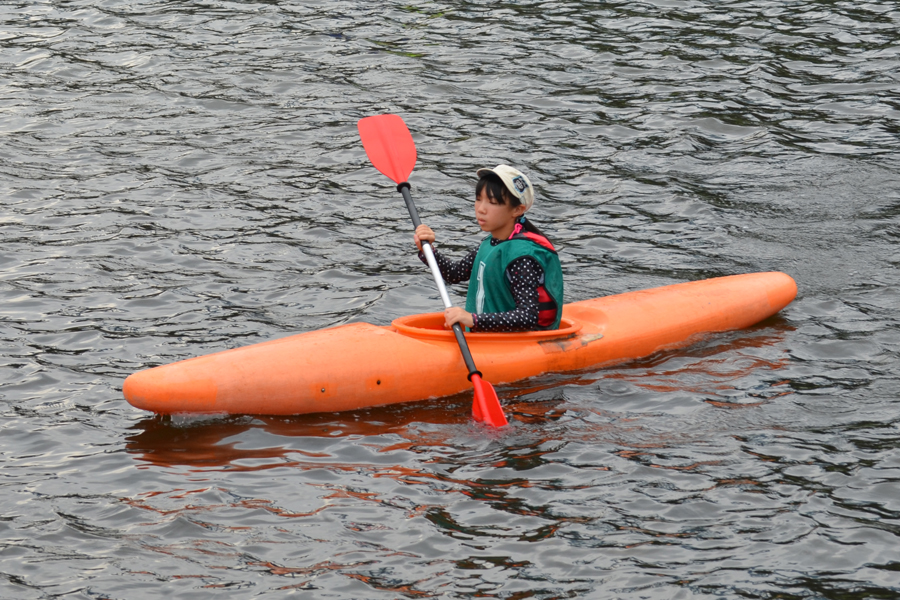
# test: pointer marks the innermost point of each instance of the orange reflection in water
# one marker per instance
(205, 442)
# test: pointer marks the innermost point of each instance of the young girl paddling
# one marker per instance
(515, 279)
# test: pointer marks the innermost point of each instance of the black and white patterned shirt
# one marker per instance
(524, 274)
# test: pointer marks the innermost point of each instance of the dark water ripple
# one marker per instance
(178, 178)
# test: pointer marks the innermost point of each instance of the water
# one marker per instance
(180, 178)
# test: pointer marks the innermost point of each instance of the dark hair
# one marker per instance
(491, 184)
(495, 189)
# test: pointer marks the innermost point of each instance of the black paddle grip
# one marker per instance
(464, 348)
(403, 188)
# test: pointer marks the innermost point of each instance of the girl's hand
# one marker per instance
(423, 234)
(454, 314)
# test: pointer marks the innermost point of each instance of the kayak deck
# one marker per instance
(360, 365)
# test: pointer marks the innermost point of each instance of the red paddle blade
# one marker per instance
(389, 145)
(486, 406)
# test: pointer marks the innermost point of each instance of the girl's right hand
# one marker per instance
(423, 234)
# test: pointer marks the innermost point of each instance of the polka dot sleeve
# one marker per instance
(453, 272)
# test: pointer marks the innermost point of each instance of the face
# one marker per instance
(495, 218)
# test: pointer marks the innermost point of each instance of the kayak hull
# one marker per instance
(361, 365)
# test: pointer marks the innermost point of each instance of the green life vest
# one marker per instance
(489, 290)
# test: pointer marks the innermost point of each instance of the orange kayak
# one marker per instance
(360, 365)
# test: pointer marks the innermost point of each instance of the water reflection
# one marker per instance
(201, 442)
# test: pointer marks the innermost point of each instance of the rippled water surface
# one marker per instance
(179, 178)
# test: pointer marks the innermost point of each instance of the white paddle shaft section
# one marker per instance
(436, 272)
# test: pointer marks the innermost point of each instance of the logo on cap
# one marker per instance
(520, 184)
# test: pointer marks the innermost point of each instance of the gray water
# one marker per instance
(178, 178)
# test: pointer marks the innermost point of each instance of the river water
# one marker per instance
(178, 178)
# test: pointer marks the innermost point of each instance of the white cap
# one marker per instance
(515, 181)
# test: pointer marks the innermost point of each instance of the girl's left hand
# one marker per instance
(423, 234)
(454, 314)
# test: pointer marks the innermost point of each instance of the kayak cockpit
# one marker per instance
(430, 326)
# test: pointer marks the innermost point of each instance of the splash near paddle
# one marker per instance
(391, 150)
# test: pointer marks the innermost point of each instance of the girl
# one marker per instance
(515, 279)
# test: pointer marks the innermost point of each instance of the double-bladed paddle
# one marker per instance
(391, 149)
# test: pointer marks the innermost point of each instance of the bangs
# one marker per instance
(495, 189)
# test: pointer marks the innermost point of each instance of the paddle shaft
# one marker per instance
(439, 280)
